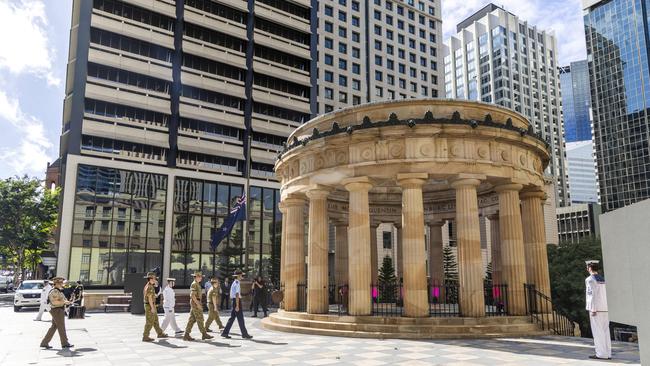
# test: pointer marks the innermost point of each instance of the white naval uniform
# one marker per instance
(597, 302)
(169, 301)
(43, 305)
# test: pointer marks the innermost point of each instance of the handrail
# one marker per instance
(546, 314)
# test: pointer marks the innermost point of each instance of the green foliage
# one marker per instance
(232, 254)
(449, 264)
(28, 216)
(488, 273)
(387, 271)
(566, 264)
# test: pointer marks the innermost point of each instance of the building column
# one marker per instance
(513, 261)
(283, 241)
(416, 303)
(341, 254)
(294, 260)
(535, 240)
(398, 251)
(497, 277)
(470, 261)
(436, 270)
(374, 262)
(359, 246)
(318, 240)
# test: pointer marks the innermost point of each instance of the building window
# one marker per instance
(329, 76)
(329, 43)
(329, 27)
(343, 80)
(343, 32)
(329, 93)
(343, 64)
(356, 69)
(329, 11)
(329, 60)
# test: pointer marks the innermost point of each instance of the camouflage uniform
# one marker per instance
(196, 313)
(214, 294)
(151, 314)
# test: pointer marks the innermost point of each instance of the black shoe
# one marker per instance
(47, 346)
(226, 336)
(594, 357)
(247, 336)
(68, 345)
(254, 316)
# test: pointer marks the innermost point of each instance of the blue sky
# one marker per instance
(34, 51)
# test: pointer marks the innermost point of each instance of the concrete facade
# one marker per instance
(496, 57)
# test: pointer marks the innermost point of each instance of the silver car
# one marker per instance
(28, 294)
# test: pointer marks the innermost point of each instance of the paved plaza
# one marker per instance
(115, 339)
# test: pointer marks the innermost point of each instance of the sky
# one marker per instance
(34, 50)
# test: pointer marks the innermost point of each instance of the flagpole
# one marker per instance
(248, 191)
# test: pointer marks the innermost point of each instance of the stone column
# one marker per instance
(398, 250)
(294, 260)
(318, 240)
(513, 261)
(283, 242)
(535, 240)
(359, 246)
(497, 277)
(341, 254)
(436, 270)
(374, 262)
(416, 304)
(470, 261)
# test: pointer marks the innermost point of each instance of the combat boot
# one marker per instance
(187, 337)
(147, 339)
(206, 336)
(163, 335)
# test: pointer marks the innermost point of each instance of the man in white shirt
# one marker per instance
(596, 299)
(169, 301)
(237, 311)
(44, 306)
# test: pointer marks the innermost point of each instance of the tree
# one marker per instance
(232, 254)
(28, 215)
(566, 263)
(449, 264)
(387, 285)
(488, 273)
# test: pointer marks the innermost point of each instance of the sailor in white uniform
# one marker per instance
(596, 297)
(169, 301)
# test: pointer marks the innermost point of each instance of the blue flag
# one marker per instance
(238, 213)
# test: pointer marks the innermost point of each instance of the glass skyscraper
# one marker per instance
(617, 52)
(574, 83)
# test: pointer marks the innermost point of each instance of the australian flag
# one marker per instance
(238, 213)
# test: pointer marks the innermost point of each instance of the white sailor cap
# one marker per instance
(592, 261)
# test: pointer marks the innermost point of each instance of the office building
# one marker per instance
(578, 221)
(495, 57)
(582, 172)
(373, 50)
(617, 50)
(171, 109)
(576, 101)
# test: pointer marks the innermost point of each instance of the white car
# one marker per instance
(28, 294)
(6, 283)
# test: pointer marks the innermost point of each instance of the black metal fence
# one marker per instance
(496, 299)
(302, 297)
(387, 299)
(542, 311)
(443, 299)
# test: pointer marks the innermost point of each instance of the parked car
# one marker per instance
(6, 283)
(28, 294)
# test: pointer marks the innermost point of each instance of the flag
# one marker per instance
(238, 213)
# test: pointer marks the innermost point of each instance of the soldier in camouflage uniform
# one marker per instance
(58, 302)
(214, 294)
(150, 311)
(196, 309)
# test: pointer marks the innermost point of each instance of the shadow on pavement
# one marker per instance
(268, 342)
(219, 344)
(165, 343)
(67, 352)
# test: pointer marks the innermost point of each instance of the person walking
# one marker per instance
(150, 312)
(260, 297)
(43, 305)
(169, 302)
(214, 294)
(57, 302)
(596, 299)
(196, 309)
(225, 293)
(237, 311)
